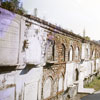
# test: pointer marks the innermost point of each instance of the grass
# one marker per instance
(94, 84)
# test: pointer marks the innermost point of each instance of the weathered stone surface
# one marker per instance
(7, 94)
(9, 37)
(41, 61)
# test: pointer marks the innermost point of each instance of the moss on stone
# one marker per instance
(94, 84)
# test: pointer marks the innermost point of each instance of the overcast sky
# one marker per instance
(72, 15)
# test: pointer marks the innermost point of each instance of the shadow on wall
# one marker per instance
(7, 69)
(48, 65)
(27, 69)
(77, 75)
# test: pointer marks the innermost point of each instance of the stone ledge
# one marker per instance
(86, 90)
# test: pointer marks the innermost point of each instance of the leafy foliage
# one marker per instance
(94, 84)
(87, 38)
(14, 6)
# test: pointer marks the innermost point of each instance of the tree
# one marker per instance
(14, 6)
(87, 38)
(7, 5)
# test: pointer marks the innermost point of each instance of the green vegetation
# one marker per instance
(14, 6)
(94, 84)
(87, 38)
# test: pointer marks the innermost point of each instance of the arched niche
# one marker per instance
(76, 75)
(47, 87)
(63, 52)
(70, 54)
(87, 53)
(77, 54)
(55, 87)
(60, 83)
(51, 51)
(93, 54)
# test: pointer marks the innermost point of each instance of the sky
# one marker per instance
(73, 15)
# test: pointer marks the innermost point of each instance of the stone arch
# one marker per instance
(55, 87)
(50, 50)
(53, 51)
(63, 53)
(93, 54)
(77, 53)
(47, 87)
(97, 54)
(60, 83)
(76, 75)
(70, 53)
(91, 67)
(86, 52)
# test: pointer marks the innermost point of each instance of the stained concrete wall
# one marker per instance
(33, 63)
(21, 62)
(18, 40)
(47, 87)
(9, 37)
(21, 85)
(36, 41)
